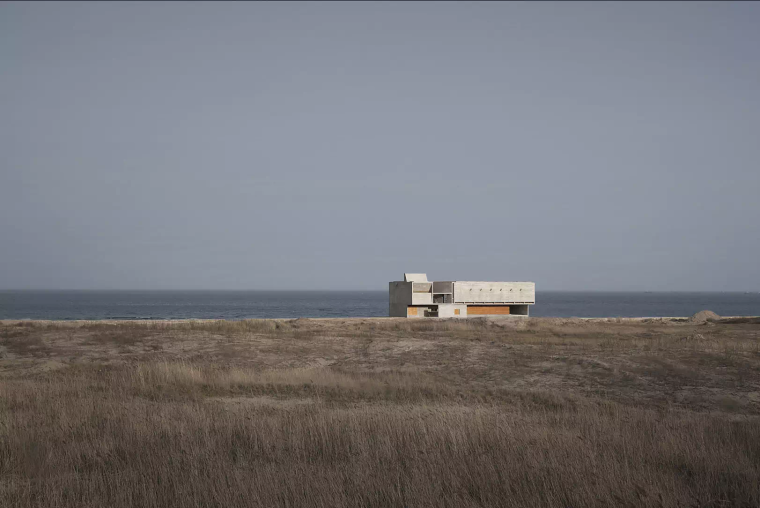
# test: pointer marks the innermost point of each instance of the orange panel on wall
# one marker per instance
(479, 310)
(411, 311)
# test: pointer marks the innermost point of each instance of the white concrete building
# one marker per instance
(415, 296)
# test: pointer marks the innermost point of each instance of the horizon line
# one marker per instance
(366, 290)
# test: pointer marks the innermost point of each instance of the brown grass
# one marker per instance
(380, 412)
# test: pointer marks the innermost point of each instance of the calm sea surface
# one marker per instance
(293, 304)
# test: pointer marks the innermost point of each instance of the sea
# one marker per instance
(102, 305)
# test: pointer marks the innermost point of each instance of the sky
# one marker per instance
(287, 145)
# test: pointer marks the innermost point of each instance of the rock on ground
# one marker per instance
(703, 316)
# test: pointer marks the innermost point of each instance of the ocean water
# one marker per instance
(293, 304)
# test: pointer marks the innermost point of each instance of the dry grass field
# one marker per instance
(380, 412)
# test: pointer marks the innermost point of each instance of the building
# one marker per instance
(415, 296)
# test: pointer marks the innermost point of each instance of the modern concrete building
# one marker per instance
(415, 296)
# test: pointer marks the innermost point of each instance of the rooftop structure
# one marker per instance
(415, 296)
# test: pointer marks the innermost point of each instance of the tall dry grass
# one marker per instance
(177, 434)
(390, 412)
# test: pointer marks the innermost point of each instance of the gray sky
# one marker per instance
(611, 146)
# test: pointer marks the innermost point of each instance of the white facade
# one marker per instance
(495, 292)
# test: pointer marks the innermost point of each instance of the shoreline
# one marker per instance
(639, 319)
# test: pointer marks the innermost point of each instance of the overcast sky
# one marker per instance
(609, 146)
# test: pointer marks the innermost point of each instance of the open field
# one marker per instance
(380, 412)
